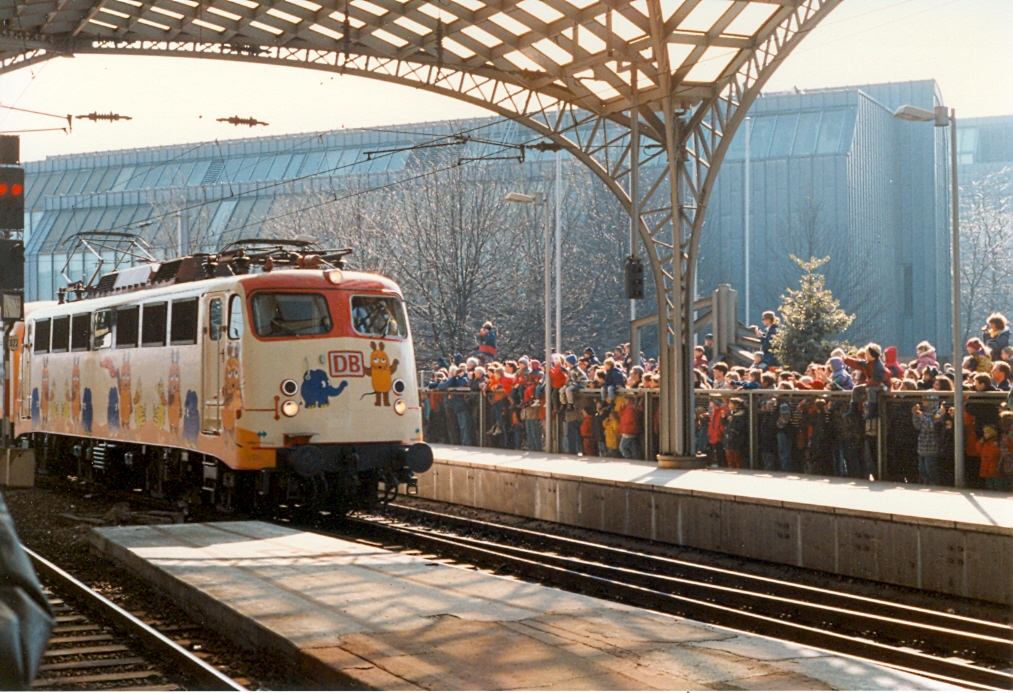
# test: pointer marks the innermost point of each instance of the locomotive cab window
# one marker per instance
(290, 315)
(184, 322)
(80, 332)
(236, 323)
(153, 324)
(61, 334)
(102, 332)
(378, 316)
(127, 322)
(215, 325)
(42, 336)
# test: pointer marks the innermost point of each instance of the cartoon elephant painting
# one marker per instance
(317, 389)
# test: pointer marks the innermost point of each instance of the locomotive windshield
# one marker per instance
(290, 315)
(378, 316)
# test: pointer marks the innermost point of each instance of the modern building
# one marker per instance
(831, 172)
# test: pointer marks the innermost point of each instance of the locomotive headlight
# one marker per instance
(334, 276)
(290, 408)
(398, 387)
(400, 407)
(289, 387)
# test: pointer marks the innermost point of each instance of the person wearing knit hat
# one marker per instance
(591, 358)
(536, 366)
(982, 363)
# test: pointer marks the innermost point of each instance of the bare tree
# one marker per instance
(986, 245)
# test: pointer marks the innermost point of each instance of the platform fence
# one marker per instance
(825, 433)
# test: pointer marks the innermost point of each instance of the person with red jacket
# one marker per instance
(716, 432)
(876, 379)
(890, 363)
(587, 433)
(629, 429)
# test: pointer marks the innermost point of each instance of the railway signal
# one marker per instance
(12, 198)
(634, 278)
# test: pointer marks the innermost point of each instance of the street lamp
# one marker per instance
(540, 199)
(941, 117)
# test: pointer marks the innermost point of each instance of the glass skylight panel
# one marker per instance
(759, 138)
(224, 13)
(209, 25)
(167, 13)
(805, 136)
(114, 13)
(294, 165)
(522, 61)
(156, 25)
(278, 167)
(284, 16)
(481, 35)
(711, 64)
(100, 23)
(306, 5)
(784, 135)
(830, 132)
(556, 54)
(704, 15)
(369, 7)
(413, 26)
(196, 174)
(266, 27)
(390, 38)
(457, 49)
(510, 24)
(472, 5)
(750, 19)
(539, 9)
(437, 13)
(622, 27)
(320, 29)
(248, 4)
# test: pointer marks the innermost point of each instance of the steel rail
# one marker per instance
(736, 579)
(649, 591)
(150, 639)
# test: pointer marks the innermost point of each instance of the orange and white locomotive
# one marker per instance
(196, 377)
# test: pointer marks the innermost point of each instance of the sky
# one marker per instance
(965, 45)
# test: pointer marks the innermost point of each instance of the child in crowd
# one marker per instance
(1006, 445)
(575, 380)
(926, 357)
(927, 418)
(699, 357)
(990, 454)
(611, 429)
(840, 379)
(876, 378)
(736, 434)
(976, 351)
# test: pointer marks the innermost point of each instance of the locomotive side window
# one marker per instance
(102, 334)
(42, 336)
(80, 332)
(153, 324)
(236, 323)
(290, 315)
(127, 321)
(183, 329)
(215, 319)
(378, 316)
(61, 334)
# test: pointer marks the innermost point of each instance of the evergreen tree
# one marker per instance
(811, 319)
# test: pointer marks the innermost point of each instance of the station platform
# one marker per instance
(952, 541)
(353, 616)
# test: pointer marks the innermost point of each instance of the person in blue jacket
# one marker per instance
(766, 336)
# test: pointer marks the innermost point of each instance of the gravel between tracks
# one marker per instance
(37, 511)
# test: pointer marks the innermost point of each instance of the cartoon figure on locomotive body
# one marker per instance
(47, 394)
(123, 395)
(173, 403)
(232, 394)
(74, 397)
(380, 370)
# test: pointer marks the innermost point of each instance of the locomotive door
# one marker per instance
(213, 362)
(25, 376)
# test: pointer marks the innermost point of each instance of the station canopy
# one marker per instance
(581, 52)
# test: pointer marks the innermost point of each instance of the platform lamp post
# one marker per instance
(942, 117)
(541, 199)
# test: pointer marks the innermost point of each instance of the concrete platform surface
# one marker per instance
(987, 511)
(355, 616)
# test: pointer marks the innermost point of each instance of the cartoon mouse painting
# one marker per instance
(232, 393)
(380, 370)
(123, 386)
(173, 402)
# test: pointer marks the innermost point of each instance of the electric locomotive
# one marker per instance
(262, 376)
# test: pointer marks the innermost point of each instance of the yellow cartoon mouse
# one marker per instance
(380, 370)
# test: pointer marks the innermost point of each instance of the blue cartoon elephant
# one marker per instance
(36, 412)
(317, 389)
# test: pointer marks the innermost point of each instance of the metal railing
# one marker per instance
(818, 432)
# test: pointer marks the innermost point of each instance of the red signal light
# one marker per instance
(16, 189)
(3, 188)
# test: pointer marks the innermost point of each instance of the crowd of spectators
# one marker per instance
(826, 420)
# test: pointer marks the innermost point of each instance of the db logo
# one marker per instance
(346, 363)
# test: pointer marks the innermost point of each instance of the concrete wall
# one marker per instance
(946, 557)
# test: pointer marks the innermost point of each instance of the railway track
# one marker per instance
(951, 648)
(95, 644)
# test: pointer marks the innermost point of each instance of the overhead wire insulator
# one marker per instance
(95, 116)
(236, 120)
